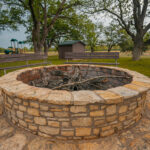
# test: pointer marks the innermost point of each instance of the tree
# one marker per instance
(126, 43)
(111, 36)
(91, 34)
(67, 28)
(10, 17)
(43, 14)
(131, 15)
(71, 26)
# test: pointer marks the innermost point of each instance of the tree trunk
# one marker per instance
(92, 50)
(138, 48)
(36, 39)
(45, 48)
(109, 48)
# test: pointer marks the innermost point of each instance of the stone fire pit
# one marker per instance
(74, 101)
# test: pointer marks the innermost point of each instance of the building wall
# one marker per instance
(63, 49)
(78, 48)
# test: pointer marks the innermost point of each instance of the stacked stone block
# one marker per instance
(78, 115)
(74, 122)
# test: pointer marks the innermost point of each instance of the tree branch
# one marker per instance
(30, 3)
(146, 28)
(121, 21)
(25, 6)
(60, 9)
(144, 10)
(85, 81)
(135, 14)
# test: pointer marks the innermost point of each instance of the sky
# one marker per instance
(6, 36)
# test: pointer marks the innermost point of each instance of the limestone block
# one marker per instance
(83, 131)
(82, 122)
(97, 113)
(40, 120)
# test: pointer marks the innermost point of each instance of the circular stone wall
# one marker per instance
(84, 114)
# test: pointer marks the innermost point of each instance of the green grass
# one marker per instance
(142, 66)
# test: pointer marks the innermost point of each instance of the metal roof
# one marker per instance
(70, 43)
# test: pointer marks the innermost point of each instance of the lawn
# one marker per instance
(142, 66)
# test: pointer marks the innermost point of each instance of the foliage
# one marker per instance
(71, 26)
(10, 17)
(91, 34)
(111, 35)
(2, 50)
(130, 15)
(41, 16)
(126, 43)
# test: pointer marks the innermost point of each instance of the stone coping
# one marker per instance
(13, 87)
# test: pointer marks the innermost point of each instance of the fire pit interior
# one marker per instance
(76, 78)
(74, 102)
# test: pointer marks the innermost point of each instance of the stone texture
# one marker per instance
(1, 108)
(94, 107)
(77, 109)
(64, 146)
(40, 120)
(123, 109)
(106, 144)
(85, 97)
(67, 132)
(47, 114)
(96, 131)
(49, 130)
(110, 110)
(110, 97)
(83, 131)
(20, 114)
(125, 92)
(82, 122)
(33, 104)
(33, 127)
(136, 87)
(61, 114)
(43, 107)
(54, 123)
(94, 113)
(60, 97)
(143, 84)
(111, 118)
(122, 118)
(17, 100)
(65, 124)
(16, 142)
(135, 138)
(5, 128)
(22, 108)
(22, 123)
(34, 112)
(99, 122)
(39, 144)
(98, 113)
(107, 133)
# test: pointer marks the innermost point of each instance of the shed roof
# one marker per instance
(70, 43)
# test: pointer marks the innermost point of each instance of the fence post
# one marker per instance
(116, 62)
(5, 71)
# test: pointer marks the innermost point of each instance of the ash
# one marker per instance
(76, 80)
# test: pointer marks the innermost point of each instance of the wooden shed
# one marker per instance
(70, 46)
